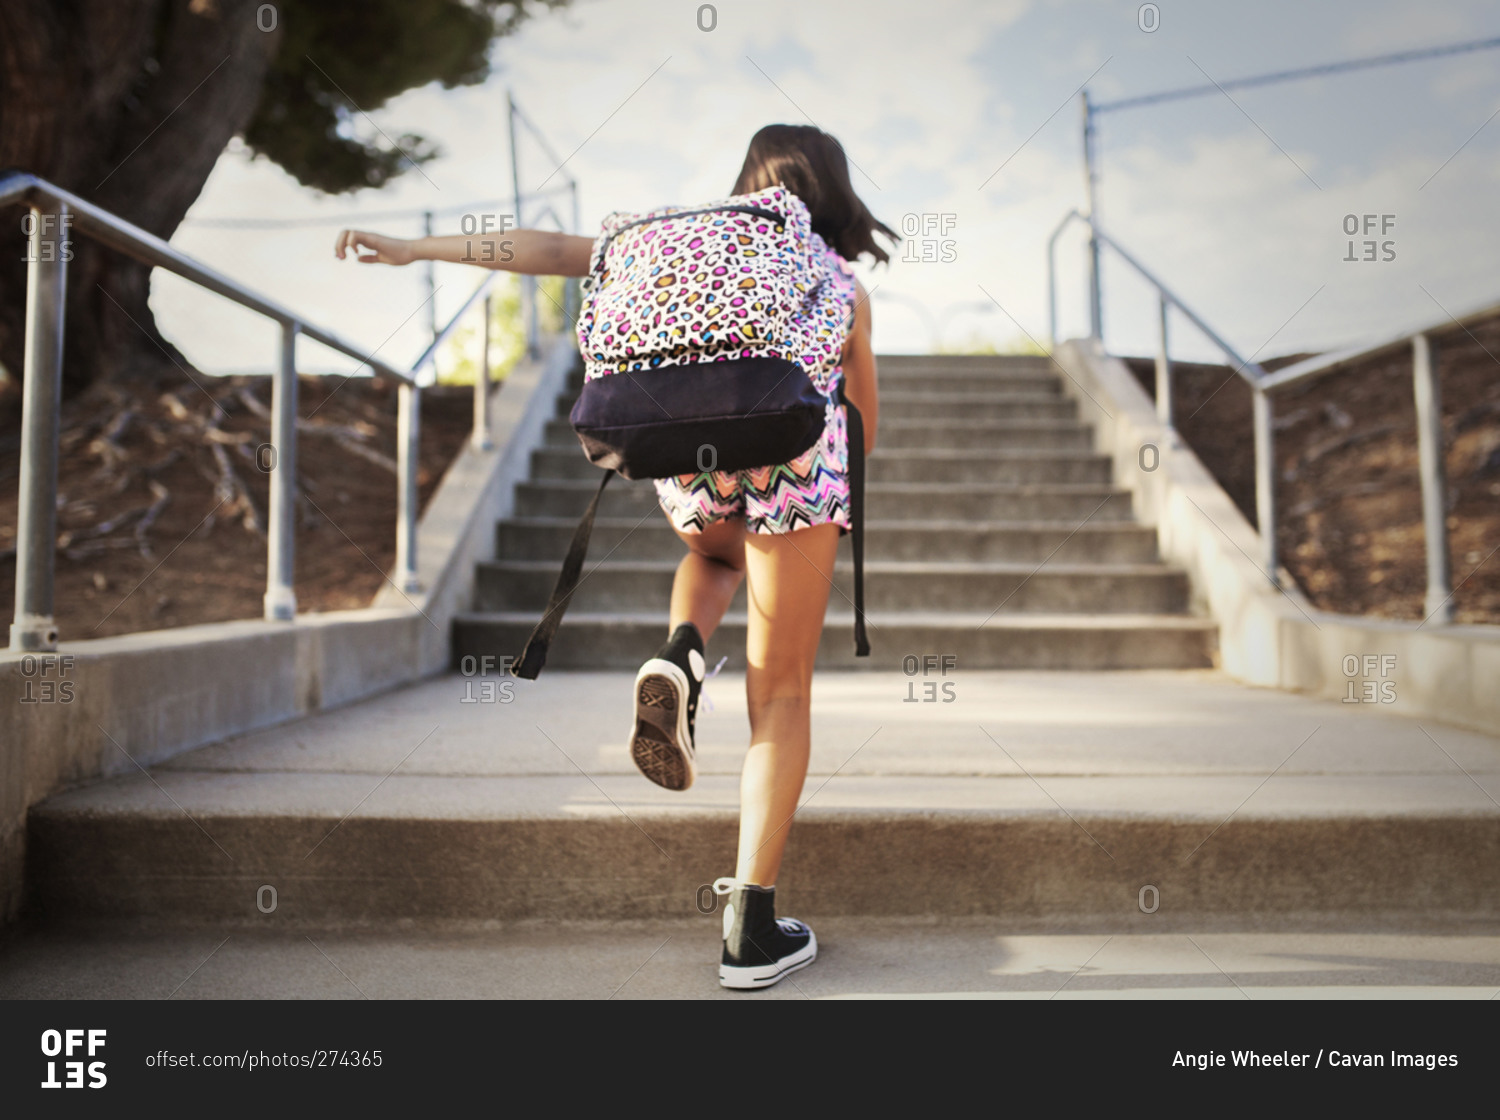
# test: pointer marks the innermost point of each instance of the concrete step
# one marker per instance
(976, 638)
(982, 435)
(947, 406)
(1040, 382)
(886, 501)
(957, 435)
(635, 585)
(924, 405)
(1098, 542)
(964, 363)
(496, 849)
(1049, 797)
(1008, 466)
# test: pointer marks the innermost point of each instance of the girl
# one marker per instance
(776, 527)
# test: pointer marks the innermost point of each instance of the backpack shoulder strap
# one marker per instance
(855, 426)
(534, 656)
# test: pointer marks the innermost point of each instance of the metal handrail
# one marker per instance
(1243, 366)
(1439, 599)
(1320, 364)
(1265, 483)
(18, 187)
(56, 214)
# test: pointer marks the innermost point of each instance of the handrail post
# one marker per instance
(528, 283)
(1052, 294)
(572, 303)
(36, 526)
(1091, 179)
(281, 512)
(1265, 484)
(430, 278)
(1439, 604)
(408, 434)
(481, 437)
(1096, 302)
(1163, 368)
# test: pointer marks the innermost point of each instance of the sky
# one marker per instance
(962, 122)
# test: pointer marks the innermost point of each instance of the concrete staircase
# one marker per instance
(995, 536)
(1163, 796)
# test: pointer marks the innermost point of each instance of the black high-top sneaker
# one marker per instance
(666, 706)
(759, 947)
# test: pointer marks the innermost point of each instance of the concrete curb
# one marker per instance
(1267, 636)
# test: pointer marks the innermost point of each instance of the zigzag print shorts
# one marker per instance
(813, 489)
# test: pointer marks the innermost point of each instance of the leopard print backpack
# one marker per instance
(710, 336)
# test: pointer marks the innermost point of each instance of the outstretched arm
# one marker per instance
(533, 251)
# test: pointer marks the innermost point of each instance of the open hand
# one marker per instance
(372, 248)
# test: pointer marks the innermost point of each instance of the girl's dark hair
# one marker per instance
(811, 164)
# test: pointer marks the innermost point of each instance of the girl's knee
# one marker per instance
(788, 689)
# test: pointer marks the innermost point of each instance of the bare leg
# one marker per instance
(790, 577)
(708, 576)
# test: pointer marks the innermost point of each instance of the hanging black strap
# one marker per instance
(855, 426)
(534, 656)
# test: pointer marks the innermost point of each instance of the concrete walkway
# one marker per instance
(954, 959)
(466, 835)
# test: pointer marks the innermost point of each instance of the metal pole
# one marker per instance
(281, 514)
(408, 431)
(528, 283)
(1052, 296)
(432, 323)
(572, 296)
(1439, 604)
(36, 525)
(481, 436)
(1163, 369)
(1265, 485)
(1091, 180)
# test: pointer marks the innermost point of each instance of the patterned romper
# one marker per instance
(812, 489)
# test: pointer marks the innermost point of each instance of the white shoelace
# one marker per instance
(708, 701)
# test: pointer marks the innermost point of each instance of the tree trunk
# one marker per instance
(128, 104)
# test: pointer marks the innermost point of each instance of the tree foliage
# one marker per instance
(340, 62)
(130, 103)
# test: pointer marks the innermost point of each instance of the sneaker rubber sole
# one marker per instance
(764, 975)
(660, 744)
